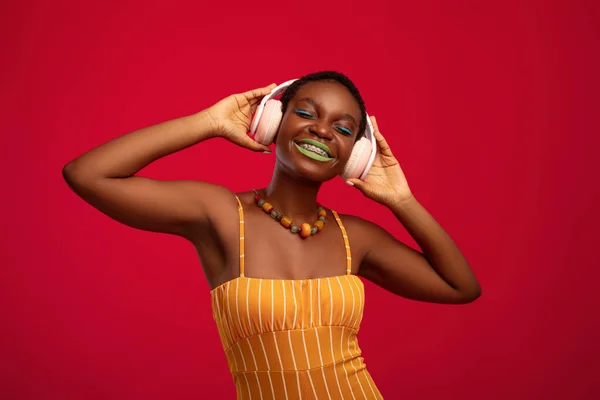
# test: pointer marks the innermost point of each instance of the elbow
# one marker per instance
(472, 295)
(67, 171)
(76, 177)
(70, 173)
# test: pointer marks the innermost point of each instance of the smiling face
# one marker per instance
(318, 130)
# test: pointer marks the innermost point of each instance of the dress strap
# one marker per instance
(241, 215)
(346, 242)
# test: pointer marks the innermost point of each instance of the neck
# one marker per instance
(292, 196)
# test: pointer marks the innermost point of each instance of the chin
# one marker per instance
(317, 175)
(307, 169)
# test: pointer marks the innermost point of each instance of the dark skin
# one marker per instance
(206, 214)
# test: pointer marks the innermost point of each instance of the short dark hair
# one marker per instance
(327, 76)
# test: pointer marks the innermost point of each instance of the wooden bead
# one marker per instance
(305, 230)
(267, 207)
(319, 224)
(286, 221)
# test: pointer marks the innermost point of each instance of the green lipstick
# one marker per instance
(312, 155)
(315, 143)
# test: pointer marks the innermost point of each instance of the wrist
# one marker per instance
(203, 125)
(403, 203)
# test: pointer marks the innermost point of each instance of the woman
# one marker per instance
(287, 305)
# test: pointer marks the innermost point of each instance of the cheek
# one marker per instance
(281, 131)
(346, 149)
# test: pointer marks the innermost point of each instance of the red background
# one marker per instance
(491, 108)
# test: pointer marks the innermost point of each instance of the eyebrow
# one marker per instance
(314, 103)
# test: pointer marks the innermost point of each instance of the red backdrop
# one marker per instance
(491, 108)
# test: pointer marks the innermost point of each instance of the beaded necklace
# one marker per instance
(304, 230)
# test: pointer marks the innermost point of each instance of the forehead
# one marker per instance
(330, 95)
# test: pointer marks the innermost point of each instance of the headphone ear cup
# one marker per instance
(269, 122)
(359, 158)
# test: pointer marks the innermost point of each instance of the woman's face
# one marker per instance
(318, 130)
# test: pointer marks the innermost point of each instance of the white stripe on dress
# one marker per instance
(295, 304)
(258, 304)
(237, 304)
(284, 304)
(258, 384)
(364, 371)
(247, 386)
(242, 355)
(308, 365)
(310, 300)
(280, 364)
(248, 307)
(341, 341)
(294, 361)
(319, 301)
(351, 363)
(331, 335)
(272, 305)
(253, 357)
(230, 319)
(361, 306)
(356, 374)
(268, 366)
(322, 367)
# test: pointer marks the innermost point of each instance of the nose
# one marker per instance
(321, 129)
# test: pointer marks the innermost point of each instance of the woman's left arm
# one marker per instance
(441, 273)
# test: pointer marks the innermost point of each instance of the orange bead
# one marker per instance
(322, 213)
(319, 224)
(267, 207)
(305, 230)
(286, 221)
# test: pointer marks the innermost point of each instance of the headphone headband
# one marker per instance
(280, 89)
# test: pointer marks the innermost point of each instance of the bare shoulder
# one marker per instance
(361, 233)
(218, 201)
(360, 227)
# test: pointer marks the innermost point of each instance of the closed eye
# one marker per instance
(303, 113)
(345, 131)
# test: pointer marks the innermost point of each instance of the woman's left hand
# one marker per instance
(385, 182)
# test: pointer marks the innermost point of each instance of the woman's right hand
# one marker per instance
(231, 117)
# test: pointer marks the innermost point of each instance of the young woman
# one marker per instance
(283, 269)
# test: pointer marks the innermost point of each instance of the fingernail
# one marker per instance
(350, 183)
(267, 151)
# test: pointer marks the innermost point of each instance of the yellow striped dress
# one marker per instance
(293, 339)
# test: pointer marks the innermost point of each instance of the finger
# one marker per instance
(381, 142)
(357, 183)
(253, 145)
(374, 123)
(259, 93)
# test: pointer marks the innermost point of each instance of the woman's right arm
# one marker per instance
(105, 176)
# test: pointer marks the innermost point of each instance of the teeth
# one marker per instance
(314, 149)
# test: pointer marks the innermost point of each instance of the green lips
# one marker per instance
(317, 144)
(312, 155)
